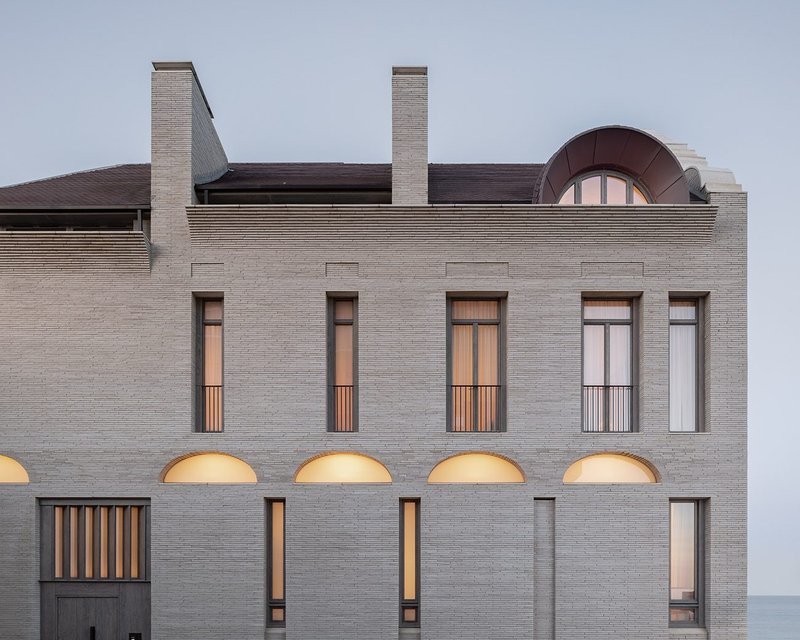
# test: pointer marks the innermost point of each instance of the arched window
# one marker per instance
(342, 468)
(610, 468)
(12, 472)
(476, 468)
(209, 468)
(604, 187)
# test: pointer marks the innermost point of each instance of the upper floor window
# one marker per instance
(685, 365)
(609, 371)
(475, 373)
(209, 370)
(604, 187)
(342, 364)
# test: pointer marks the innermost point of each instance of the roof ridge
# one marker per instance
(74, 173)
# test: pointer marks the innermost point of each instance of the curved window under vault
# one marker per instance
(12, 472)
(476, 468)
(604, 187)
(209, 468)
(610, 468)
(342, 468)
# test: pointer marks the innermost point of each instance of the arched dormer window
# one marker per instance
(604, 187)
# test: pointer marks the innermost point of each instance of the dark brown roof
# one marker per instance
(123, 186)
(482, 183)
(128, 185)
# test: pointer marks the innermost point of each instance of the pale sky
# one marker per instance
(509, 82)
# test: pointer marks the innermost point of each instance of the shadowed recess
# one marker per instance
(12, 472)
(476, 468)
(342, 468)
(209, 468)
(610, 468)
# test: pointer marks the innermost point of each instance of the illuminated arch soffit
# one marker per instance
(610, 468)
(12, 472)
(209, 468)
(476, 468)
(342, 468)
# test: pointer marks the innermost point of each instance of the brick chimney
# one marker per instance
(410, 135)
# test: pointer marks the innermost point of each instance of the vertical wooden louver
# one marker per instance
(95, 539)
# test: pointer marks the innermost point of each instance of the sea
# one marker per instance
(773, 617)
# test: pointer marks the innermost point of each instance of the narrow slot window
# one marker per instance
(88, 525)
(134, 542)
(342, 364)
(104, 542)
(210, 385)
(73, 541)
(276, 563)
(686, 561)
(409, 563)
(685, 375)
(119, 546)
(58, 554)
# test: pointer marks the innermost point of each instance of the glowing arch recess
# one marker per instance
(342, 468)
(610, 468)
(209, 468)
(476, 468)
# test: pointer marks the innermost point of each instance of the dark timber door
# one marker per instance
(95, 569)
(87, 619)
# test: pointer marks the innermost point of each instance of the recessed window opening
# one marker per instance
(604, 187)
(276, 562)
(609, 390)
(210, 372)
(476, 398)
(685, 365)
(409, 562)
(342, 364)
(686, 563)
(342, 468)
(476, 468)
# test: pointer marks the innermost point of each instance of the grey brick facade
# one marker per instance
(96, 379)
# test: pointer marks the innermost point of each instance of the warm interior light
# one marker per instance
(343, 468)
(609, 468)
(210, 468)
(472, 468)
(12, 471)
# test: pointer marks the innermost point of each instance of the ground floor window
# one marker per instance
(686, 563)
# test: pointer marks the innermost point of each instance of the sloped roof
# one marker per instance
(124, 186)
(128, 185)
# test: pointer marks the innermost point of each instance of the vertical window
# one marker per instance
(686, 563)
(475, 397)
(609, 390)
(342, 364)
(209, 389)
(276, 563)
(409, 562)
(685, 371)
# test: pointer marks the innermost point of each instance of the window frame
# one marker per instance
(273, 603)
(416, 603)
(501, 298)
(700, 356)
(200, 323)
(699, 562)
(604, 174)
(331, 323)
(635, 303)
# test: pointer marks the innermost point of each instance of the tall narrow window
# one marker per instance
(276, 563)
(609, 390)
(686, 563)
(209, 395)
(685, 379)
(409, 562)
(342, 364)
(475, 395)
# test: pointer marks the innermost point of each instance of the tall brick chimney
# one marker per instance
(410, 135)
